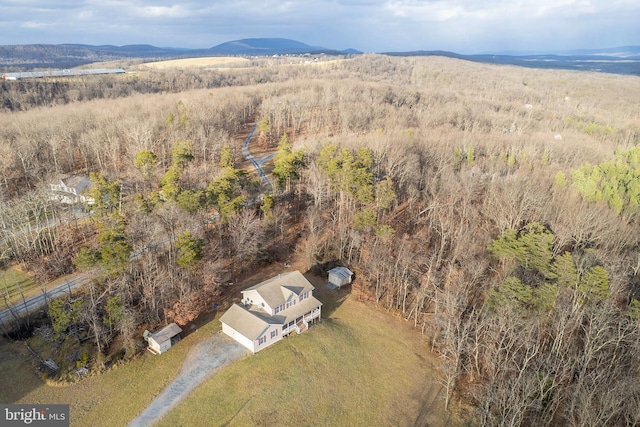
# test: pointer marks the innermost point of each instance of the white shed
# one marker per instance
(161, 340)
(339, 276)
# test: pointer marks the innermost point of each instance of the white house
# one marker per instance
(272, 310)
(339, 276)
(162, 340)
(69, 190)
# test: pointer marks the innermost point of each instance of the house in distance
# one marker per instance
(272, 310)
(70, 190)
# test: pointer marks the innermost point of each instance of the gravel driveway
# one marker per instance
(203, 360)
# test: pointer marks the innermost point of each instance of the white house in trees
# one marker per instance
(272, 310)
(70, 190)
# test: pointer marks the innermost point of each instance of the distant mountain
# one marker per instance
(269, 46)
(264, 46)
(25, 57)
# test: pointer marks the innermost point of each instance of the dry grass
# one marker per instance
(14, 284)
(211, 61)
(17, 374)
(114, 397)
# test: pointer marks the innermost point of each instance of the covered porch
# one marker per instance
(300, 324)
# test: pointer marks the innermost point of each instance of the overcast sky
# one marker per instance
(463, 26)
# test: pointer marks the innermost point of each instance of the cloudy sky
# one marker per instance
(464, 26)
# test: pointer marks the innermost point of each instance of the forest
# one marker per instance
(495, 208)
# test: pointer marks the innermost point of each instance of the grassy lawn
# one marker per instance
(359, 367)
(12, 281)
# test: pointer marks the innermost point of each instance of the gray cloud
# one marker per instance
(465, 26)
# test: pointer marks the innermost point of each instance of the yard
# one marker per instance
(359, 366)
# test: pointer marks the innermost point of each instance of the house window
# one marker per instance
(274, 333)
(303, 296)
(261, 340)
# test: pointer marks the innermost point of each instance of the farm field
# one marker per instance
(212, 61)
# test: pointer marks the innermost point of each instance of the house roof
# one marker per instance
(166, 333)
(244, 321)
(75, 181)
(293, 312)
(252, 323)
(277, 290)
(341, 272)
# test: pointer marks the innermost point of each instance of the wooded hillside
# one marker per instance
(495, 208)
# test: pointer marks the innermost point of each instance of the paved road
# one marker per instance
(34, 303)
(257, 163)
(202, 362)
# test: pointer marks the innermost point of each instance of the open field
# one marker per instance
(211, 61)
(343, 368)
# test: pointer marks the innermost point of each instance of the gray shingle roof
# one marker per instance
(252, 323)
(166, 333)
(244, 321)
(276, 290)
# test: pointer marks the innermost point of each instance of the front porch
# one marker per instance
(301, 323)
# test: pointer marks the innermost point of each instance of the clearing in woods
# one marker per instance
(359, 367)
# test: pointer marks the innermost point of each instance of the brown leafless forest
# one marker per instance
(449, 187)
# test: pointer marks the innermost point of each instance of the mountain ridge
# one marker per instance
(617, 60)
(71, 54)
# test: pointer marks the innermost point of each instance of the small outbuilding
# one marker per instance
(339, 276)
(162, 340)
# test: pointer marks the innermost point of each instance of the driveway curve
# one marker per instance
(201, 362)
